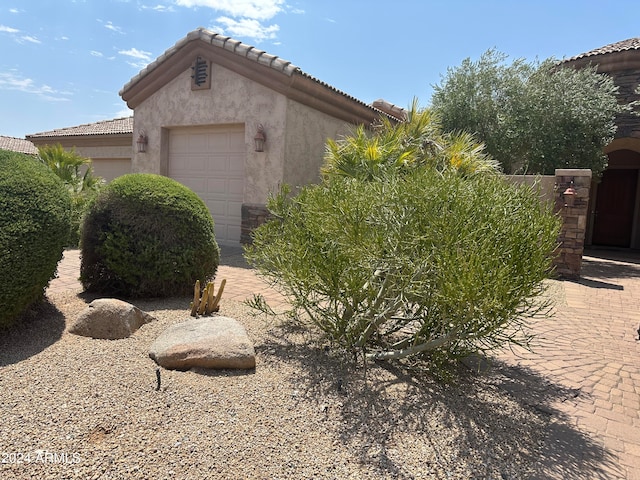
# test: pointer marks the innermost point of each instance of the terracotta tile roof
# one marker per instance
(243, 50)
(117, 126)
(17, 145)
(226, 43)
(622, 46)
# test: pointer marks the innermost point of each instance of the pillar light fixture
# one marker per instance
(142, 142)
(260, 139)
(569, 195)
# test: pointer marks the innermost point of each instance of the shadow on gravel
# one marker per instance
(492, 421)
(40, 326)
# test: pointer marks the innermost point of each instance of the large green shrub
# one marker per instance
(34, 226)
(147, 236)
(426, 259)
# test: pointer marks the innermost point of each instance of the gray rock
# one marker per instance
(206, 342)
(111, 319)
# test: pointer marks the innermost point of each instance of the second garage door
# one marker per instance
(210, 161)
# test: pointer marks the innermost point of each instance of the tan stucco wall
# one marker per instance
(307, 133)
(544, 183)
(232, 99)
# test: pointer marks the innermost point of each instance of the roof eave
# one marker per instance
(609, 62)
(85, 140)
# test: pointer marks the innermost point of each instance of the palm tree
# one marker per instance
(77, 174)
(75, 171)
(391, 148)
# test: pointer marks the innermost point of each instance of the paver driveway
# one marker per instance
(589, 352)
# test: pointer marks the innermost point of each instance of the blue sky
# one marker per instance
(63, 62)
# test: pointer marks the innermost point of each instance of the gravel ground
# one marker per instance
(74, 407)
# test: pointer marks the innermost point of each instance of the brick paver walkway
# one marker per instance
(241, 284)
(589, 354)
(584, 371)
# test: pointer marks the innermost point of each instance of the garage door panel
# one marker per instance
(217, 207)
(218, 164)
(234, 231)
(234, 209)
(195, 163)
(221, 231)
(216, 185)
(178, 143)
(197, 143)
(218, 143)
(236, 142)
(236, 188)
(210, 161)
(236, 164)
(195, 184)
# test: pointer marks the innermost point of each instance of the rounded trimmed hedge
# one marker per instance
(34, 227)
(146, 235)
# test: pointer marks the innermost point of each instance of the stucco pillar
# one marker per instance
(568, 259)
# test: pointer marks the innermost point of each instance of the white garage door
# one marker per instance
(210, 161)
(110, 168)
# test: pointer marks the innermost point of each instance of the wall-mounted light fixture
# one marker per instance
(569, 195)
(142, 142)
(260, 139)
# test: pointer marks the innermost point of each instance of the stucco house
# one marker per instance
(614, 208)
(228, 120)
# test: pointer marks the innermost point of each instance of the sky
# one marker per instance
(63, 62)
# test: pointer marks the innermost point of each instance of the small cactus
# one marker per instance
(209, 302)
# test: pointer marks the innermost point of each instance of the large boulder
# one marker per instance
(109, 318)
(206, 342)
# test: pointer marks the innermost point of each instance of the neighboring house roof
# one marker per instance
(19, 145)
(390, 108)
(117, 126)
(618, 56)
(258, 65)
(622, 46)
(116, 132)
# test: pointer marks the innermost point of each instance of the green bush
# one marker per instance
(34, 226)
(424, 259)
(147, 236)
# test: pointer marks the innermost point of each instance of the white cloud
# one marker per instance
(246, 27)
(142, 57)
(12, 81)
(159, 8)
(113, 28)
(14, 10)
(135, 53)
(254, 9)
(96, 54)
(4, 28)
(124, 112)
(29, 38)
